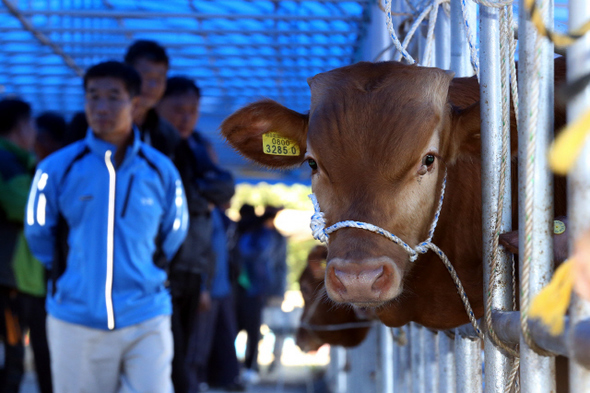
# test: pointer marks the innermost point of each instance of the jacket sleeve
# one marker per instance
(174, 226)
(42, 215)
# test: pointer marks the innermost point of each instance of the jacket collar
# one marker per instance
(100, 147)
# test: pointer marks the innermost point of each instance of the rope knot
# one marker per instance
(318, 222)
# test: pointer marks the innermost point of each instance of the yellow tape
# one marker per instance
(560, 40)
(567, 146)
(276, 145)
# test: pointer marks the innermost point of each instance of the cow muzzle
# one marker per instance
(369, 283)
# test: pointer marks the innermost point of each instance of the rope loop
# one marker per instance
(318, 223)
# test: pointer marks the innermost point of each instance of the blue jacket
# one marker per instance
(117, 222)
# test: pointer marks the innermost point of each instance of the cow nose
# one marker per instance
(366, 283)
(364, 277)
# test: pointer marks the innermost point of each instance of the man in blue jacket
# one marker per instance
(121, 209)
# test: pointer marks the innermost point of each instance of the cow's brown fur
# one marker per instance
(312, 287)
(369, 128)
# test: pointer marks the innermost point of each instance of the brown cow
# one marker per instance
(379, 138)
(322, 322)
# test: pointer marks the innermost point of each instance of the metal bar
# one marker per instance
(468, 365)
(386, 354)
(579, 176)
(178, 31)
(97, 13)
(460, 62)
(403, 362)
(442, 34)
(537, 373)
(446, 369)
(175, 45)
(417, 358)
(497, 363)
(431, 359)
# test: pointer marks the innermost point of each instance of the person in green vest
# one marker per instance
(21, 275)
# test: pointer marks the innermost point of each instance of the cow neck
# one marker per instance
(321, 233)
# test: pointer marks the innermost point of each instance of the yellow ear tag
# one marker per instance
(558, 227)
(277, 145)
(323, 264)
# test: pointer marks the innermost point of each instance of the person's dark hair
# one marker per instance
(146, 49)
(12, 111)
(180, 85)
(115, 69)
(52, 124)
(248, 219)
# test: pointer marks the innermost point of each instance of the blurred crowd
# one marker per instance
(118, 261)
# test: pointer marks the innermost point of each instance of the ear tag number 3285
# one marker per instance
(277, 145)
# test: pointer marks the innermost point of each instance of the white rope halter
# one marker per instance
(321, 233)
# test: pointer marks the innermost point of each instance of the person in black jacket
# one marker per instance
(206, 186)
(151, 62)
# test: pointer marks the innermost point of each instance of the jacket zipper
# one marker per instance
(108, 291)
(127, 196)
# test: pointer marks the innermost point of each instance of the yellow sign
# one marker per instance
(558, 227)
(277, 145)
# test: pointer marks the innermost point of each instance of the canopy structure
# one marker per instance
(237, 51)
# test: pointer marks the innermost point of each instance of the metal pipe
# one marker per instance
(97, 13)
(442, 33)
(177, 31)
(446, 368)
(405, 361)
(537, 373)
(386, 353)
(460, 62)
(468, 365)
(497, 363)
(417, 358)
(579, 176)
(172, 46)
(431, 359)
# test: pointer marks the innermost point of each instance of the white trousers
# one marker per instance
(134, 359)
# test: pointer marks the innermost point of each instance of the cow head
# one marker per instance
(378, 137)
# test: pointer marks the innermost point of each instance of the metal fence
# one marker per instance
(415, 359)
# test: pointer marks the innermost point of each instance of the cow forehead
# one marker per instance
(393, 80)
(376, 112)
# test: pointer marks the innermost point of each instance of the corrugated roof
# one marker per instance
(238, 51)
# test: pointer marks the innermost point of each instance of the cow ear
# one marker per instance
(268, 133)
(318, 268)
(465, 136)
(317, 261)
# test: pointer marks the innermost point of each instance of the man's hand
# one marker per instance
(204, 301)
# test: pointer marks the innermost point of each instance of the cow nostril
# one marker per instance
(384, 280)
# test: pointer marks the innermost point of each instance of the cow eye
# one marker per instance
(312, 164)
(428, 160)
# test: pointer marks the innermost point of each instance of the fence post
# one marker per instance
(431, 358)
(417, 358)
(497, 363)
(442, 33)
(468, 362)
(460, 61)
(387, 355)
(446, 368)
(579, 177)
(537, 373)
